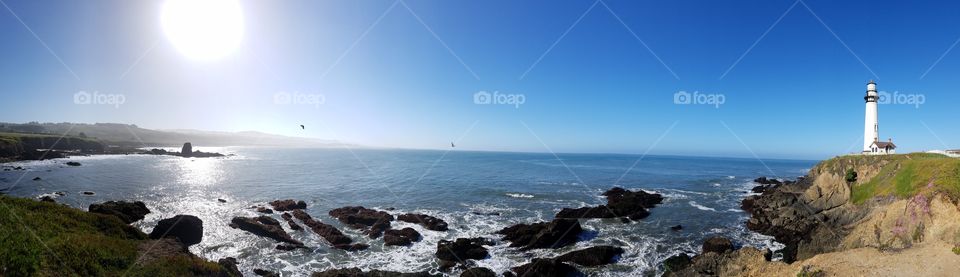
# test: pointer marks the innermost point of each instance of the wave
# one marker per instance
(701, 207)
(519, 195)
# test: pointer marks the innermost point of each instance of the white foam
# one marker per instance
(701, 207)
(519, 195)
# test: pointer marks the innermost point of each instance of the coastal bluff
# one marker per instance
(851, 215)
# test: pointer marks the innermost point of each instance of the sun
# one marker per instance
(203, 29)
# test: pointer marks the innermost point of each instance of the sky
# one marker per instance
(771, 79)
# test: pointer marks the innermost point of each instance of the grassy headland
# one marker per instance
(48, 239)
(902, 175)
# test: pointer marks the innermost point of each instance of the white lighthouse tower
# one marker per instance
(871, 131)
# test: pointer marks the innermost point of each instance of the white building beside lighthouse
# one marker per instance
(871, 127)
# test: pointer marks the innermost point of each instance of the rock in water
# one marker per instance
(676, 228)
(620, 203)
(373, 222)
(187, 228)
(555, 234)
(478, 272)
(546, 267)
(128, 212)
(187, 150)
(328, 232)
(461, 250)
(676, 263)
(230, 264)
(403, 237)
(288, 205)
(429, 222)
(717, 244)
(593, 256)
(73, 163)
(37, 178)
(257, 227)
(265, 273)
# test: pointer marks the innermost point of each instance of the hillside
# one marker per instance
(129, 135)
(48, 239)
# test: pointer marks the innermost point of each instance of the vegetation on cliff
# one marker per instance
(48, 239)
(904, 176)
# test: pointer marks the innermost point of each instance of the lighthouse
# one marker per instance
(871, 131)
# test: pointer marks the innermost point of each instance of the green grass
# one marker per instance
(47, 239)
(907, 175)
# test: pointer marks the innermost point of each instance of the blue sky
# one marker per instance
(597, 81)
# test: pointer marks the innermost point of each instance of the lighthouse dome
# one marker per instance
(871, 86)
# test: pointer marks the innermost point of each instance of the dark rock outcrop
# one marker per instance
(478, 272)
(373, 222)
(293, 225)
(73, 163)
(230, 265)
(555, 234)
(328, 232)
(676, 228)
(186, 228)
(402, 237)
(265, 273)
(429, 222)
(677, 262)
(356, 272)
(460, 250)
(620, 203)
(547, 267)
(593, 256)
(187, 150)
(257, 226)
(264, 210)
(128, 212)
(288, 247)
(288, 205)
(717, 244)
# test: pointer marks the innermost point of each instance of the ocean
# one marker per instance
(477, 193)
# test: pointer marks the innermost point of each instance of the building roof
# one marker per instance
(884, 144)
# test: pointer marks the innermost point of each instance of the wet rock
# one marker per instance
(230, 265)
(128, 212)
(352, 247)
(676, 228)
(461, 250)
(187, 150)
(429, 222)
(288, 205)
(765, 181)
(186, 228)
(264, 210)
(293, 225)
(37, 178)
(221, 200)
(87, 193)
(373, 222)
(593, 256)
(677, 262)
(547, 267)
(486, 213)
(328, 232)
(265, 273)
(288, 247)
(403, 237)
(478, 272)
(73, 164)
(256, 226)
(47, 198)
(620, 203)
(717, 244)
(555, 234)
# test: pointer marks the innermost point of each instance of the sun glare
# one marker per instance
(203, 29)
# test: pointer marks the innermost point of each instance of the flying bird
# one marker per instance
(302, 128)
(452, 145)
